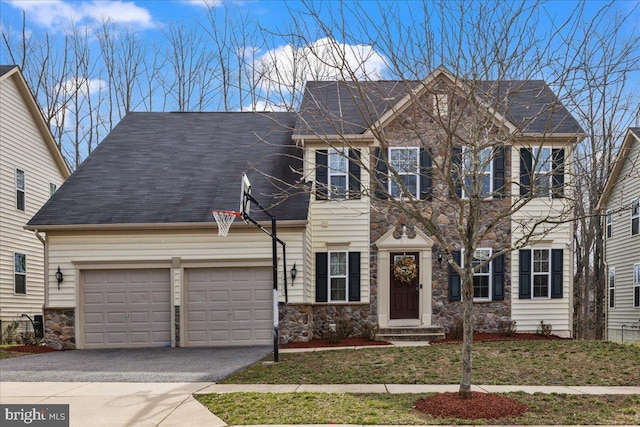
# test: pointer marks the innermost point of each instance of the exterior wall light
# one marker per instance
(294, 273)
(59, 277)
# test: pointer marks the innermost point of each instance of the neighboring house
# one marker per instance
(132, 229)
(31, 169)
(620, 203)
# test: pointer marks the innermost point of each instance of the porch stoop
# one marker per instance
(425, 333)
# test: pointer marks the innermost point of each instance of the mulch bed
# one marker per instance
(36, 349)
(480, 406)
(347, 342)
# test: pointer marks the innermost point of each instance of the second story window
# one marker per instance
(480, 168)
(404, 171)
(20, 190)
(636, 286)
(338, 174)
(635, 217)
(609, 224)
(542, 172)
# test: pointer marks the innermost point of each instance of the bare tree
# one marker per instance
(189, 58)
(498, 145)
(606, 105)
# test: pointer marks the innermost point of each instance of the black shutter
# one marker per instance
(557, 261)
(558, 173)
(498, 278)
(526, 165)
(322, 174)
(525, 274)
(456, 169)
(498, 172)
(382, 174)
(354, 174)
(455, 289)
(322, 271)
(426, 174)
(354, 276)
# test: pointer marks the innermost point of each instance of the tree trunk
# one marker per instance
(467, 340)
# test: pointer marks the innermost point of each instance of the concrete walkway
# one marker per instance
(173, 405)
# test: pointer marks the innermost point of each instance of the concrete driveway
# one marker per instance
(165, 365)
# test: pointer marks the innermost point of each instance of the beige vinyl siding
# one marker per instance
(75, 251)
(623, 249)
(341, 225)
(557, 312)
(21, 146)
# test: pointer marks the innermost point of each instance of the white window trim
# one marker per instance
(635, 205)
(23, 190)
(416, 173)
(490, 274)
(330, 173)
(345, 276)
(636, 284)
(548, 175)
(611, 278)
(490, 173)
(534, 274)
(18, 273)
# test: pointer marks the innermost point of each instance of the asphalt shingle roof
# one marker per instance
(177, 167)
(330, 108)
(4, 69)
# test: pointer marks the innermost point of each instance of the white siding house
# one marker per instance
(620, 204)
(31, 169)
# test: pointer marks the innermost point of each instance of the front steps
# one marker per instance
(424, 333)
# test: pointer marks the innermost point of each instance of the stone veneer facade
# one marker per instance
(439, 208)
(305, 322)
(60, 328)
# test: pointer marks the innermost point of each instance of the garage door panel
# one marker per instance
(126, 308)
(241, 296)
(138, 298)
(238, 306)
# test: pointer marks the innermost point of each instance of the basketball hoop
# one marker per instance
(224, 220)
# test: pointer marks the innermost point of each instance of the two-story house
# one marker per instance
(132, 229)
(31, 169)
(620, 203)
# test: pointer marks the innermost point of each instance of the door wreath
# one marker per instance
(405, 270)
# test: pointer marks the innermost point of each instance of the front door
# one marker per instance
(405, 286)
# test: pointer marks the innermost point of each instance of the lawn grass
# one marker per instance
(330, 408)
(4, 354)
(564, 362)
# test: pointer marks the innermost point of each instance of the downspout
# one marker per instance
(46, 267)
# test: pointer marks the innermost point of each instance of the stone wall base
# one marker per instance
(305, 322)
(60, 328)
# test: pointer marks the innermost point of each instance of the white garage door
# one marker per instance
(126, 308)
(229, 306)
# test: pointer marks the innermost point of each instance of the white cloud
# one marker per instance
(59, 14)
(287, 68)
(203, 3)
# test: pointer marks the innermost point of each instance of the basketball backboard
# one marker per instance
(245, 202)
